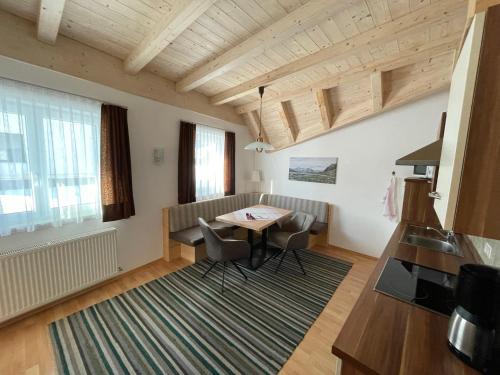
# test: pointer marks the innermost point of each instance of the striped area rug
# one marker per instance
(181, 323)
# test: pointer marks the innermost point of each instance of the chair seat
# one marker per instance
(193, 236)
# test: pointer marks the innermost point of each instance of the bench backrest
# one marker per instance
(317, 208)
(186, 215)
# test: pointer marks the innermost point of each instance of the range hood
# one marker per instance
(428, 155)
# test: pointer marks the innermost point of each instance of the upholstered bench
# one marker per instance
(182, 237)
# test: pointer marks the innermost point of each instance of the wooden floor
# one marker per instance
(25, 346)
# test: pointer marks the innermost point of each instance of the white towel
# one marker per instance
(389, 200)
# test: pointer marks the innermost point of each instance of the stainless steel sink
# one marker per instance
(430, 239)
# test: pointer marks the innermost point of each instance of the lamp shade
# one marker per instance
(259, 146)
(256, 176)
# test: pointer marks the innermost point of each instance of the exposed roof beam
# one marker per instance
(300, 19)
(49, 19)
(287, 120)
(180, 16)
(407, 57)
(377, 82)
(408, 24)
(419, 92)
(325, 107)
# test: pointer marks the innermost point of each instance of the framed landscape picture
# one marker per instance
(322, 170)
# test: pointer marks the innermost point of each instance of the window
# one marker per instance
(49, 157)
(209, 160)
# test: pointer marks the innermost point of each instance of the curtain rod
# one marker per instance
(64, 92)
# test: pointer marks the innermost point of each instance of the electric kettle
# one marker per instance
(474, 327)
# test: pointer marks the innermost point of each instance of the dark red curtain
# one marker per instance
(229, 164)
(186, 191)
(116, 170)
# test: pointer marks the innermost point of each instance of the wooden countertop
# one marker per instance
(383, 335)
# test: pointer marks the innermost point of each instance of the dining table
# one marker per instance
(257, 219)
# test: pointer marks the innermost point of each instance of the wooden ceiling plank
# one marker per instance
(325, 107)
(407, 57)
(49, 20)
(300, 19)
(287, 120)
(399, 8)
(380, 11)
(406, 25)
(377, 82)
(182, 14)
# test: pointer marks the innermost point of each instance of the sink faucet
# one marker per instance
(447, 235)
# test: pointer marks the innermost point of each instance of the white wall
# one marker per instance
(151, 124)
(367, 152)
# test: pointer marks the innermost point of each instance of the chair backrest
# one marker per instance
(302, 221)
(308, 222)
(213, 242)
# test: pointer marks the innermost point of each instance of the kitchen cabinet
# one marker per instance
(468, 184)
(417, 205)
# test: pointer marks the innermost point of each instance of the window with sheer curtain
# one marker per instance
(209, 162)
(49, 157)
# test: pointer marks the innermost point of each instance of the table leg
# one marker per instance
(264, 240)
(250, 241)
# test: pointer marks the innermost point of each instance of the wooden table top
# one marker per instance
(257, 225)
(383, 335)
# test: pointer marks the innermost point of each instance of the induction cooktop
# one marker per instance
(418, 285)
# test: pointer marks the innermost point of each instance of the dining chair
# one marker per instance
(223, 249)
(292, 235)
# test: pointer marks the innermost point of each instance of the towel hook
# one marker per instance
(393, 173)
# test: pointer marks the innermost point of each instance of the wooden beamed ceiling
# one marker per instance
(325, 63)
(294, 22)
(182, 14)
(407, 25)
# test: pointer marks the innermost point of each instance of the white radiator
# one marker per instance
(32, 277)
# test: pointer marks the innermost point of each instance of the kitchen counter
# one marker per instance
(383, 335)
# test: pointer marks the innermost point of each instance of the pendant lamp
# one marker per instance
(259, 145)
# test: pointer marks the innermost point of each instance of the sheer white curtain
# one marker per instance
(49, 157)
(209, 161)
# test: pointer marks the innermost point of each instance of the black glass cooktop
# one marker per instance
(420, 286)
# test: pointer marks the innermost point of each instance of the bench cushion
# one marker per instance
(193, 236)
(318, 227)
